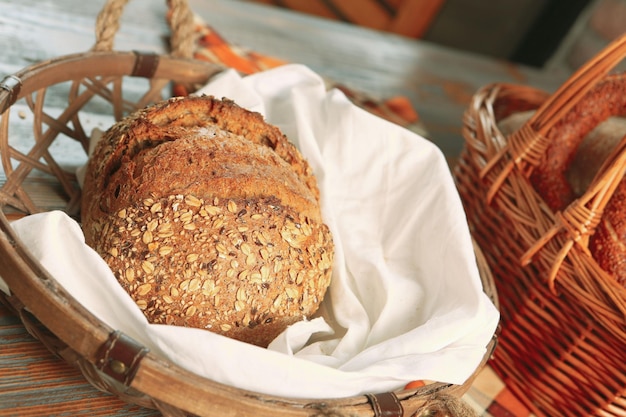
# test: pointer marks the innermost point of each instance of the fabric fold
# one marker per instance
(406, 301)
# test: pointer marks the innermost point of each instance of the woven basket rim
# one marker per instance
(512, 336)
(35, 290)
(481, 115)
(562, 342)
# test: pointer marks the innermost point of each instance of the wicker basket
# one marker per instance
(119, 82)
(563, 340)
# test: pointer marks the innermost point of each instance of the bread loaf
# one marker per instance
(208, 217)
(593, 150)
(607, 98)
(580, 143)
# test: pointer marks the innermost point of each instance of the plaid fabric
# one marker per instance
(490, 397)
(35, 383)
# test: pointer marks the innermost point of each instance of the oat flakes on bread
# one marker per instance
(208, 217)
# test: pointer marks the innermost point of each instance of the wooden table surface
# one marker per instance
(439, 83)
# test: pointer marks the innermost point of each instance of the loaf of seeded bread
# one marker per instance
(208, 217)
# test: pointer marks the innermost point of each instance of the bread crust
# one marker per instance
(549, 178)
(608, 243)
(557, 185)
(209, 218)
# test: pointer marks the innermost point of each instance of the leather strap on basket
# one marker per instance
(119, 357)
(386, 405)
(181, 24)
(146, 64)
(12, 85)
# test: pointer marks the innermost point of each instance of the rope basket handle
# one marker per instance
(181, 21)
(527, 146)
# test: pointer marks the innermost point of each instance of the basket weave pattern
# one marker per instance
(563, 342)
(118, 83)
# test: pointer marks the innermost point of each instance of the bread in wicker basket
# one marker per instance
(582, 153)
(563, 315)
(110, 360)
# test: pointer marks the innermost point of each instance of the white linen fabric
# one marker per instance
(405, 303)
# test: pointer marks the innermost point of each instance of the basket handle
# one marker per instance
(527, 146)
(583, 215)
(181, 21)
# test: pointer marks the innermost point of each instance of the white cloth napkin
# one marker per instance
(406, 301)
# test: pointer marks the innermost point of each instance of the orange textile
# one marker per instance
(410, 18)
(36, 383)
